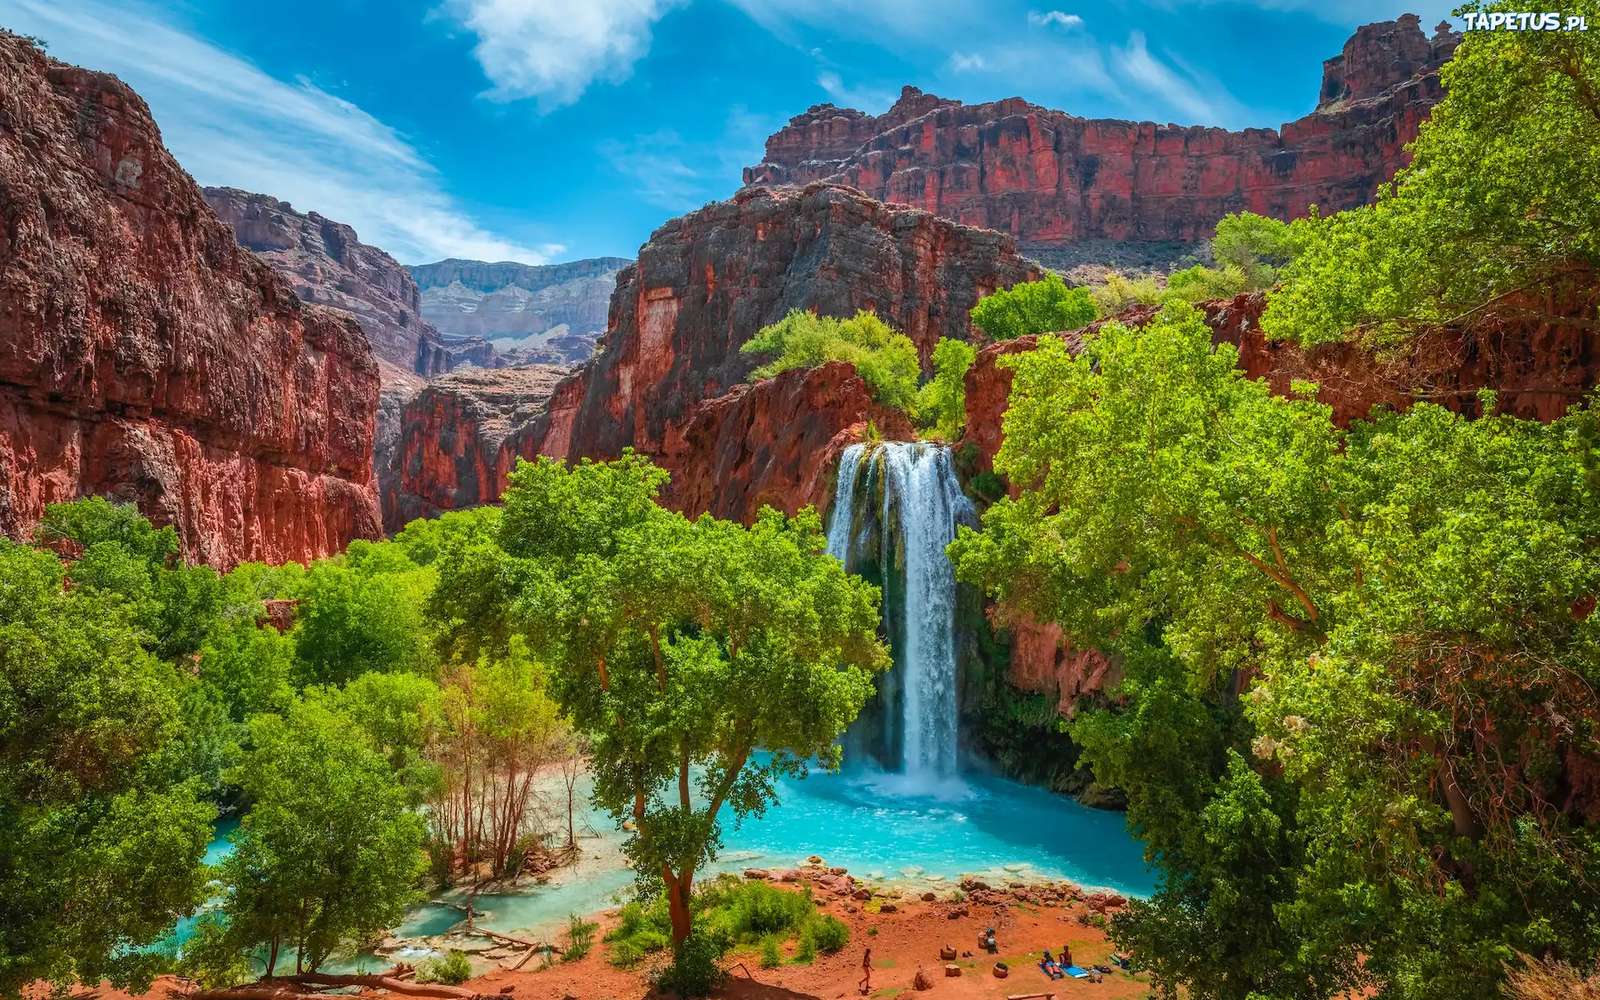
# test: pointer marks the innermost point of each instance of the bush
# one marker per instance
(771, 957)
(1043, 306)
(696, 968)
(452, 969)
(828, 933)
(885, 359)
(580, 938)
(755, 910)
(942, 403)
(806, 953)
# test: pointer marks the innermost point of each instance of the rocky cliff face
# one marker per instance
(547, 314)
(1054, 180)
(706, 282)
(669, 380)
(327, 264)
(145, 356)
(460, 436)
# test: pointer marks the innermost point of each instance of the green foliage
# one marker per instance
(941, 404)
(290, 884)
(806, 952)
(362, 614)
(101, 814)
(1499, 197)
(828, 933)
(683, 647)
(452, 969)
(885, 359)
(1396, 600)
(736, 911)
(1256, 246)
(696, 968)
(1118, 292)
(92, 520)
(580, 938)
(1028, 307)
(771, 957)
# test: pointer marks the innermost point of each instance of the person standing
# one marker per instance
(866, 972)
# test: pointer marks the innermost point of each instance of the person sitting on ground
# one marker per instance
(1048, 966)
(1066, 956)
(987, 942)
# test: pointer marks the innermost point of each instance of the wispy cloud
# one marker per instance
(967, 62)
(228, 122)
(677, 175)
(874, 100)
(1198, 100)
(553, 50)
(1059, 18)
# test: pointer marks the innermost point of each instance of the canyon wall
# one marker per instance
(548, 314)
(1054, 180)
(326, 264)
(669, 378)
(145, 356)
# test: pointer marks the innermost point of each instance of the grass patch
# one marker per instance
(736, 912)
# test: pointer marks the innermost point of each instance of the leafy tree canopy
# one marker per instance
(1397, 601)
(885, 359)
(941, 404)
(1028, 307)
(1494, 216)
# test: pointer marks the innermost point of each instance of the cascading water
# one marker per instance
(896, 507)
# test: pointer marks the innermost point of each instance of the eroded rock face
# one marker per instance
(707, 282)
(327, 264)
(549, 314)
(1052, 179)
(772, 443)
(460, 436)
(144, 355)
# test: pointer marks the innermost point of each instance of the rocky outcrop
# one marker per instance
(144, 355)
(707, 282)
(531, 314)
(1052, 179)
(460, 436)
(670, 380)
(773, 443)
(327, 264)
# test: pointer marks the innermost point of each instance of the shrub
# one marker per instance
(806, 953)
(771, 958)
(452, 969)
(1043, 306)
(885, 359)
(756, 909)
(828, 933)
(696, 967)
(580, 937)
(942, 403)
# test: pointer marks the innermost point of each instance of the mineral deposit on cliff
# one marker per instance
(144, 355)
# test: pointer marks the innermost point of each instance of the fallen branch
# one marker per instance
(285, 988)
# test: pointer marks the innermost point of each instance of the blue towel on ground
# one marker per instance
(1077, 972)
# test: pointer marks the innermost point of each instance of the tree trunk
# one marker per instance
(678, 894)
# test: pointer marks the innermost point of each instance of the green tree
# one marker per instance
(684, 647)
(1028, 307)
(1495, 218)
(329, 853)
(942, 402)
(885, 359)
(1397, 605)
(362, 614)
(103, 831)
(1256, 245)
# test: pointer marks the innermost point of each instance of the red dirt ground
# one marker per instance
(901, 942)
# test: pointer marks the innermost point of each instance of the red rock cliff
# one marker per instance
(669, 379)
(145, 356)
(707, 282)
(1052, 179)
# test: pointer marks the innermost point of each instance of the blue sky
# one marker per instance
(546, 130)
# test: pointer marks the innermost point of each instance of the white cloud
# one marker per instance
(1055, 17)
(872, 100)
(553, 50)
(1180, 91)
(229, 123)
(967, 62)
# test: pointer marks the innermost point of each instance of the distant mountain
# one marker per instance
(549, 314)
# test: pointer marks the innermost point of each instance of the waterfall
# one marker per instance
(896, 507)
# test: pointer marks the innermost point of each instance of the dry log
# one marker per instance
(285, 988)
